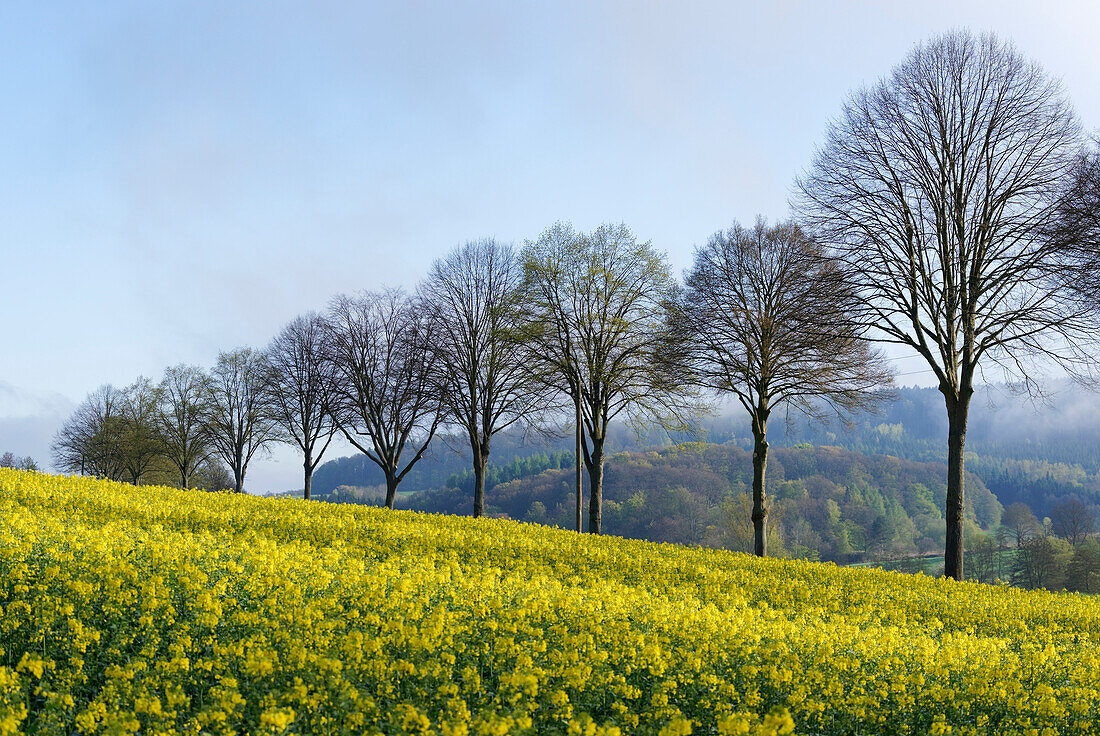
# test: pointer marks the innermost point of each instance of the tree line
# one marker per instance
(952, 209)
(11, 460)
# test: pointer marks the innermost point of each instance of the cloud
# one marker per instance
(29, 420)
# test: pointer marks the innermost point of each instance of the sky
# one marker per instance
(180, 179)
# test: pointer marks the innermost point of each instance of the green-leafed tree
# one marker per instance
(597, 306)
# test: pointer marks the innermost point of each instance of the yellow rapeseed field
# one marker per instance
(153, 610)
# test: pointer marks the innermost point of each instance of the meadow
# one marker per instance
(155, 610)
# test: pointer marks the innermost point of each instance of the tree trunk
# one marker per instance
(307, 489)
(391, 488)
(595, 486)
(481, 465)
(580, 494)
(238, 480)
(759, 495)
(185, 479)
(957, 410)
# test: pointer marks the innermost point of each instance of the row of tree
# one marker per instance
(193, 421)
(951, 210)
(11, 460)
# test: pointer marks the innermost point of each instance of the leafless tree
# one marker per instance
(9, 460)
(472, 297)
(91, 441)
(598, 304)
(301, 382)
(1072, 520)
(141, 440)
(384, 400)
(936, 185)
(1075, 230)
(182, 419)
(240, 420)
(767, 316)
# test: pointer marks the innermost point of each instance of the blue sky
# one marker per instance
(183, 178)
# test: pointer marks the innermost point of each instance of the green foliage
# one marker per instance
(827, 503)
(520, 467)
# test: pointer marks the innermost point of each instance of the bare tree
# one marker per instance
(936, 186)
(472, 297)
(182, 417)
(9, 460)
(1072, 520)
(301, 382)
(1075, 230)
(384, 399)
(240, 420)
(91, 441)
(767, 316)
(598, 305)
(141, 440)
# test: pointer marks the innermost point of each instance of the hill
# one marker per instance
(1036, 453)
(828, 502)
(158, 610)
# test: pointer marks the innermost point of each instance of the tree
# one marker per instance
(1075, 229)
(91, 440)
(212, 475)
(936, 186)
(1072, 520)
(597, 306)
(1021, 523)
(1037, 564)
(9, 460)
(1083, 569)
(384, 398)
(767, 316)
(240, 419)
(301, 384)
(472, 297)
(141, 440)
(182, 419)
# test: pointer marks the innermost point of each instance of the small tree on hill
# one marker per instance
(767, 317)
(91, 442)
(301, 390)
(384, 399)
(597, 308)
(240, 419)
(482, 368)
(182, 420)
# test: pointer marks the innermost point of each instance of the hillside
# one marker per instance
(1036, 453)
(168, 611)
(827, 502)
